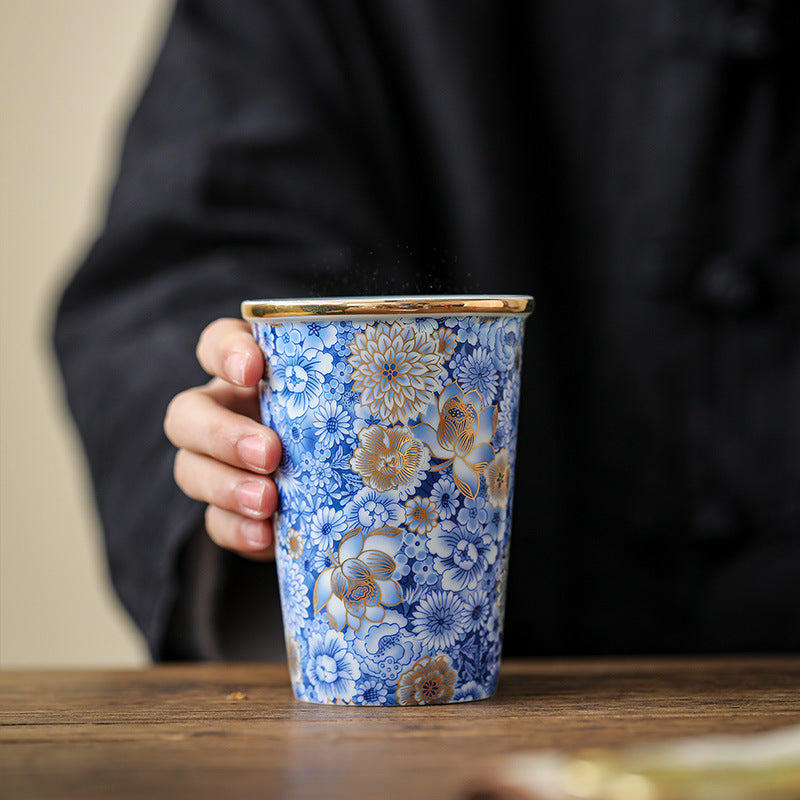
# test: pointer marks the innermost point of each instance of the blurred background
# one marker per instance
(69, 74)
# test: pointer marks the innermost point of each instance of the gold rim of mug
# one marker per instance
(429, 305)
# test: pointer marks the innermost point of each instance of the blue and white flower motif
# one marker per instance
(424, 572)
(370, 509)
(331, 423)
(321, 482)
(467, 329)
(390, 532)
(445, 494)
(440, 620)
(331, 668)
(326, 527)
(345, 334)
(488, 332)
(297, 380)
(288, 339)
(333, 390)
(426, 324)
(479, 607)
(295, 600)
(507, 346)
(287, 478)
(371, 692)
(469, 691)
(385, 648)
(319, 335)
(463, 555)
(414, 545)
(507, 412)
(493, 629)
(321, 452)
(297, 436)
(401, 566)
(477, 371)
(474, 514)
(320, 561)
(342, 371)
(349, 402)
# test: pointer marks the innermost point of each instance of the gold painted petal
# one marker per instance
(487, 424)
(354, 620)
(467, 480)
(451, 390)
(386, 540)
(355, 570)
(339, 583)
(323, 588)
(480, 456)
(379, 564)
(390, 592)
(337, 613)
(473, 397)
(425, 433)
(375, 613)
(351, 544)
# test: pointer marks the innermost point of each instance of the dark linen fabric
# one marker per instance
(635, 165)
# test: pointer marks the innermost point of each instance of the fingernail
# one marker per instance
(254, 533)
(253, 452)
(251, 495)
(236, 365)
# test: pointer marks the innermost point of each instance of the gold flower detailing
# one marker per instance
(497, 478)
(396, 369)
(429, 681)
(388, 458)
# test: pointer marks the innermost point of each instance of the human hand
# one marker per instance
(224, 453)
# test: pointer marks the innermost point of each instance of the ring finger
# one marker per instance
(208, 480)
(251, 538)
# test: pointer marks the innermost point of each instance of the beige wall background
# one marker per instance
(69, 73)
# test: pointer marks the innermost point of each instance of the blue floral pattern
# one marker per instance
(399, 440)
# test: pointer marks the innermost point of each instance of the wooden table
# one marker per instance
(235, 731)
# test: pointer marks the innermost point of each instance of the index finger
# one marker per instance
(226, 349)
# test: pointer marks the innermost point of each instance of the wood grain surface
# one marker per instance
(235, 731)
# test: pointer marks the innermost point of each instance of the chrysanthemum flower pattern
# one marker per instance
(430, 681)
(395, 488)
(396, 368)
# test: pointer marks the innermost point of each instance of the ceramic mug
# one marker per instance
(398, 420)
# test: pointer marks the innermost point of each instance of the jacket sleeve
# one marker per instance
(242, 175)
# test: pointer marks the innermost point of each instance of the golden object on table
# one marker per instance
(764, 766)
